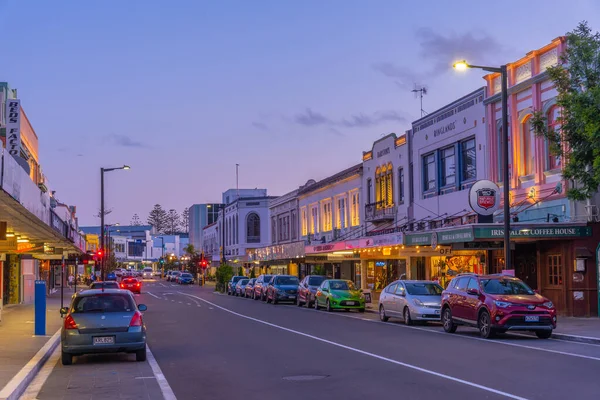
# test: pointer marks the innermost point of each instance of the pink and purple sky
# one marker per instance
(182, 91)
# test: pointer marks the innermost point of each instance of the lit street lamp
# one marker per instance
(102, 171)
(462, 66)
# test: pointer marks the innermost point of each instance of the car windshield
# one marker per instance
(105, 285)
(237, 278)
(103, 302)
(147, 269)
(176, 273)
(505, 286)
(424, 289)
(243, 282)
(315, 280)
(186, 275)
(287, 280)
(267, 278)
(341, 285)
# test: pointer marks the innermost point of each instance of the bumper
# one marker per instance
(523, 322)
(286, 296)
(76, 343)
(344, 304)
(425, 313)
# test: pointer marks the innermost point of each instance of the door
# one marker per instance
(387, 298)
(417, 268)
(472, 301)
(458, 299)
(321, 295)
(400, 300)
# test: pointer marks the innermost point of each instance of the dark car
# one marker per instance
(249, 288)
(496, 303)
(106, 321)
(132, 284)
(232, 282)
(240, 287)
(185, 279)
(260, 287)
(283, 288)
(307, 290)
(105, 285)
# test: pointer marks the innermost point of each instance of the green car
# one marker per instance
(335, 294)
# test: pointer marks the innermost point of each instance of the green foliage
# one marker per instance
(224, 275)
(252, 274)
(318, 270)
(577, 80)
(241, 271)
(158, 218)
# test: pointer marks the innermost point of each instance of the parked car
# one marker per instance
(185, 279)
(132, 284)
(174, 275)
(240, 287)
(260, 287)
(158, 273)
(147, 273)
(105, 285)
(249, 288)
(339, 294)
(411, 301)
(103, 322)
(232, 282)
(307, 290)
(282, 288)
(111, 276)
(496, 303)
(119, 272)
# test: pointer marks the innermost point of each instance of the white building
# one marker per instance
(284, 218)
(448, 154)
(211, 242)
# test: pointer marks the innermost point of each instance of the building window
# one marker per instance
(294, 225)
(354, 216)
(448, 166)
(389, 186)
(314, 220)
(553, 161)
(326, 214)
(369, 190)
(429, 172)
(468, 159)
(379, 187)
(274, 229)
(304, 222)
(252, 228)
(554, 269)
(340, 218)
(528, 150)
(401, 185)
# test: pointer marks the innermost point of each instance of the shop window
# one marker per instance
(555, 269)
(429, 172)
(553, 161)
(468, 160)
(448, 166)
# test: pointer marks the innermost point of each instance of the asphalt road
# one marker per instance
(213, 346)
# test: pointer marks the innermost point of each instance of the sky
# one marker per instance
(184, 90)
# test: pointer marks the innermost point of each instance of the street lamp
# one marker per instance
(463, 66)
(102, 171)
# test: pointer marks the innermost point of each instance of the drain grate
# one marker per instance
(300, 378)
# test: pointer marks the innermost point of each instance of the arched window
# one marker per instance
(389, 186)
(528, 147)
(378, 193)
(553, 160)
(252, 228)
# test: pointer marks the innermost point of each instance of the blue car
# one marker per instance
(185, 279)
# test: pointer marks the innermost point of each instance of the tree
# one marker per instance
(172, 222)
(577, 142)
(190, 250)
(158, 218)
(106, 212)
(135, 220)
(185, 220)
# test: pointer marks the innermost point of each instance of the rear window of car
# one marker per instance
(315, 280)
(130, 280)
(286, 280)
(186, 275)
(106, 285)
(243, 281)
(103, 302)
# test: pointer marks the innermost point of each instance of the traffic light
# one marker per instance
(162, 261)
(203, 264)
(100, 253)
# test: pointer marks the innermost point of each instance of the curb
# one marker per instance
(576, 338)
(17, 385)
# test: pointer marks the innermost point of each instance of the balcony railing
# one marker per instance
(379, 211)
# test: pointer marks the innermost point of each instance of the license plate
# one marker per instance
(351, 303)
(104, 340)
(532, 318)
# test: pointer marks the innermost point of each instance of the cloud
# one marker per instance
(311, 118)
(437, 53)
(125, 141)
(260, 125)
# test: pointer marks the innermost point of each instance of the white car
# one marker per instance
(147, 273)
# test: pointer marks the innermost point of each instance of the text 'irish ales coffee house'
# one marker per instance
(556, 259)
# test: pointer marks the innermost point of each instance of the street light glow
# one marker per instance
(126, 167)
(460, 65)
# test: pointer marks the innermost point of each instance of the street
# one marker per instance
(212, 346)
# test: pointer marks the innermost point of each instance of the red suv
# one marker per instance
(496, 303)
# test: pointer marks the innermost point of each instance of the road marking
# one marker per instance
(165, 388)
(366, 353)
(189, 304)
(162, 284)
(34, 388)
(153, 295)
(181, 302)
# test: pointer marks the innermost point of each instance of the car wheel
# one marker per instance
(407, 319)
(543, 334)
(140, 355)
(66, 358)
(485, 326)
(329, 309)
(361, 310)
(382, 316)
(449, 325)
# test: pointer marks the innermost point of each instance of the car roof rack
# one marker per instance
(466, 274)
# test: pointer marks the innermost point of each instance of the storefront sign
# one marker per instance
(13, 127)
(383, 240)
(418, 239)
(383, 152)
(534, 232)
(456, 236)
(484, 197)
(336, 246)
(279, 252)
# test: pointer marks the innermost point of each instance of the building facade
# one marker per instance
(201, 215)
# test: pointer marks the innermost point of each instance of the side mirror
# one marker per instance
(325, 290)
(473, 292)
(64, 310)
(142, 307)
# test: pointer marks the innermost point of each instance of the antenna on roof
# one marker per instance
(420, 91)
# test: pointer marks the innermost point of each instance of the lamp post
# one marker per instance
(462, 66)
(102, 171)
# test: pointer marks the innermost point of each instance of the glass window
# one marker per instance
(553, 160)
(554, 269)
(315, 280)
(103, 302)
(400, 185)
(287, 280)
(369, 190)
(391, 288)
(528, 147)
(461, 283)
(468, 158)
(429, 172)
(424, 289)
(400, 290)
(448, 166)
(341, 285)
(473, 284)
(505, 286)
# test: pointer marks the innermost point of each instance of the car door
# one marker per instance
(472, 299)
(386, 299)
(322, 292)
(400, 300)
(458, 301)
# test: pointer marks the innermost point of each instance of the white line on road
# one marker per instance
(165, 388)
(162, 284)
(34, 388)
(153, 295)
(410, 366)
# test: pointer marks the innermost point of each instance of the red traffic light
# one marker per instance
(99, 253)
(203, 264)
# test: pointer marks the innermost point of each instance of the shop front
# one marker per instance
(282, 259)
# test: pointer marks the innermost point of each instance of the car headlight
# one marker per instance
(335, 296)
(548, 304)
(418, 302)
(502, 304)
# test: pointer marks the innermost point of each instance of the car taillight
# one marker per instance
(122, 285)
(138, 284)
(136, 320)
(70, 322)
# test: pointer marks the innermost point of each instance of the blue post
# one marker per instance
(40, 308)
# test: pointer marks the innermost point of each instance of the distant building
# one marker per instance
(201, 215)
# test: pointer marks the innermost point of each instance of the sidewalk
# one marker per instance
(18, 345)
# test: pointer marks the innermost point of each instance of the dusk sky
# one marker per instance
(291, 90)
